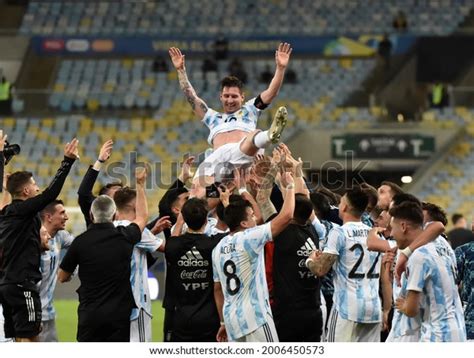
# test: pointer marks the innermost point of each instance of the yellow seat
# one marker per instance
(59, 88)
(93, 104)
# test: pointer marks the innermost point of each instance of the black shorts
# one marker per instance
(21, 309)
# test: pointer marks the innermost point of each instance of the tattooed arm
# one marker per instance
(320, 263)
(197, 104)
(264, 192)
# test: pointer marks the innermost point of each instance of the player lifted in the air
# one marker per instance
(233, 133)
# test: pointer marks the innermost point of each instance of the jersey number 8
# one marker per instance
(232, 283)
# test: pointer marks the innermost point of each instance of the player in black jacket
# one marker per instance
(20, 246)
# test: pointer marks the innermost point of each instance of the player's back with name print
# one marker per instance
(357, 274)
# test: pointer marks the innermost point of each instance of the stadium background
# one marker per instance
(100, 70)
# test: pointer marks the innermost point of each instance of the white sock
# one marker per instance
(261, 139)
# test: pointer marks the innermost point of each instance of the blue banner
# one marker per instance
(364, 45)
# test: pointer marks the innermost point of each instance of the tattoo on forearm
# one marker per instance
(189, 92)
(321, 266)
(203, 107)
(187, 89)
(267, 209)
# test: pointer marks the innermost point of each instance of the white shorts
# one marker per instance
(265, 333)
(405, 338)
(324, 311)
(343, 330)
(140, 328)
(223, 160)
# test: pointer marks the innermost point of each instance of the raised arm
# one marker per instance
(283, 219)
(40, 201)
(282, 57)
(142, 205)
(197, 104)
(85, 196)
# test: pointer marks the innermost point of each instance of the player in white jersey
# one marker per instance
(233, 132)
(54, 219)
(140, 319)
(240, 286)
(356, 312)
(431, 289)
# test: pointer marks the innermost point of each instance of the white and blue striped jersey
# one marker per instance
(402, 325)
(245, 119)
(49, 265)
(356, 273)
(139, 269)
(430, 271)
(238, 264)
(320, 228)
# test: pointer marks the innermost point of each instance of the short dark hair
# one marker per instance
(124, 197)
(17, 181)
(321, 204)
(235, 213)
(408, 210)
(357, 200)
(220, 209)
(402, 197)
(333, 198)
(303, 209)
(105, 189)
(435, 212)
(173, 196)
(232, 81)
(396, 189)
(194, 213)
(456, 217)
(371, 193)
(50, 208)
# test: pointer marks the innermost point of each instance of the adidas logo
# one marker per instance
(307, 248)
(192, 258)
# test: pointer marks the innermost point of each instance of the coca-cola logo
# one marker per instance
(302, 263)
(193, 275)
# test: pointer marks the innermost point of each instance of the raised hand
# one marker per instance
(140, 176)
(287, 179)
(177, 58)
(186, 169)
(224, 195)
(3, 139)
(261, 165)
(106, 150)
(289, 160)
(71, 149)
(282, 55)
